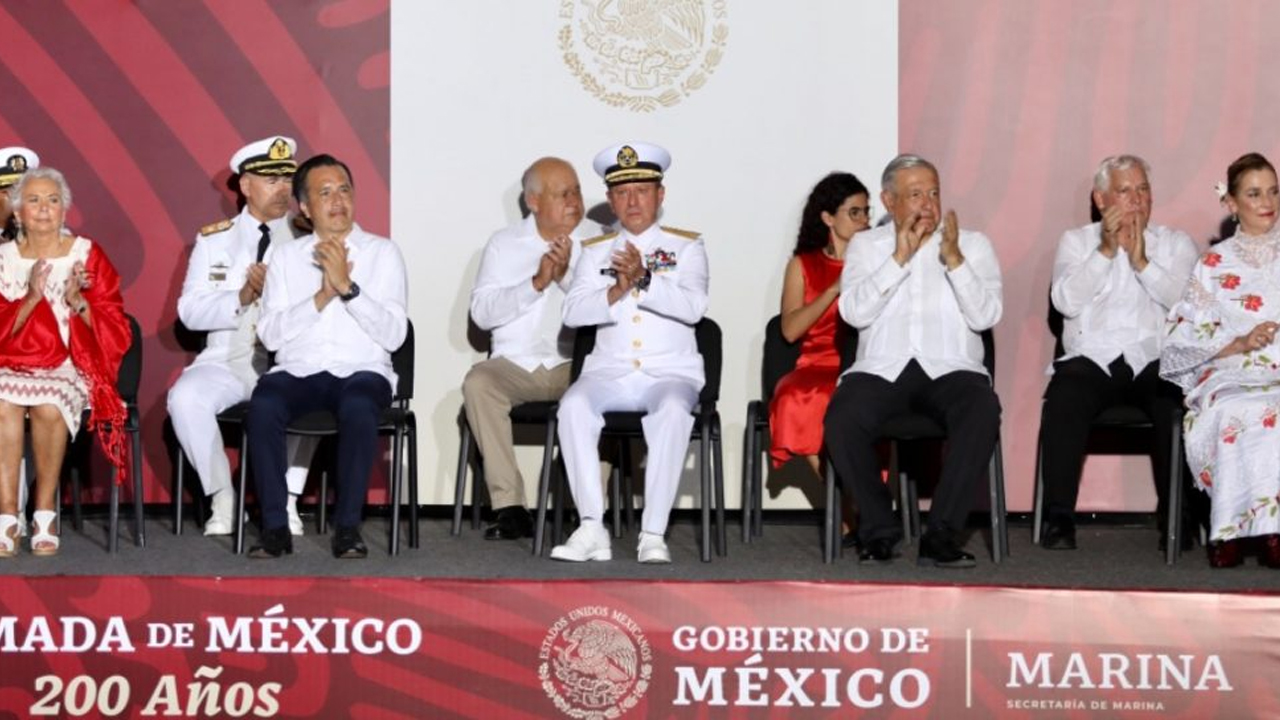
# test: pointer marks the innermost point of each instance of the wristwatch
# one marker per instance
(352, 293)
(643, 283)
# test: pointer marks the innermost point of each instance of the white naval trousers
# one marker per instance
(203, 391)
(667, 402)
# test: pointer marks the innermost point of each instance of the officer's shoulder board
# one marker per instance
(599, 239)
(686, 234)
(217, 227)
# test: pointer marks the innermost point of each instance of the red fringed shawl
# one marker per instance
(95, 351)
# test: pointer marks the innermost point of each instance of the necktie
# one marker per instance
(264, 241)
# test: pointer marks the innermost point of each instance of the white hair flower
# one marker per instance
(1221, 189)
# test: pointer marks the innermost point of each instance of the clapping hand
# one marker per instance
(331, 256)
(1262, 335)
(910, 236)
(37, 280)
(628, 267)
(949, 251)
(254, 280)
(554, 263)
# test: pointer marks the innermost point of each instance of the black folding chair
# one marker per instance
(399, 420)
(625, 426)
(780, 358)
(915, 426)
(530, 413)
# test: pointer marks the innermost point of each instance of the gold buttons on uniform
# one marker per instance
(635, 319)
(635, 363)
(636, 343)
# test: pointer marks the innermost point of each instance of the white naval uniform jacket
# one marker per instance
(647, 331)
(210, 298)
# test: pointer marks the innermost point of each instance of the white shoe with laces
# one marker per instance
(589, 542)
(295, 521)
(223, 513)
(652, 549)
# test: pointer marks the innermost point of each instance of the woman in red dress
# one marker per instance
(837, 208)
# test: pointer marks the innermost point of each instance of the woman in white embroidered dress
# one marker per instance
(62, 335)
(1221, 351)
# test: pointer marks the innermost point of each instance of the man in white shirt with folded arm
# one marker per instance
(524, 275)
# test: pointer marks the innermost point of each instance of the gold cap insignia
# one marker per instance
(627, 157)
(17, 163)
(279, 150)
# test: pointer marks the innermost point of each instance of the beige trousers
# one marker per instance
(489, 391)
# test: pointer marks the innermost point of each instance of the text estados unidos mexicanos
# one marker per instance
(754, 684)
(272, 632)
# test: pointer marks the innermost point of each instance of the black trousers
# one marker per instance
(357, 401)
(1078, 391)
(963, 402)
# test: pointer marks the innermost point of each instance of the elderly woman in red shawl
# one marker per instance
(62, 335)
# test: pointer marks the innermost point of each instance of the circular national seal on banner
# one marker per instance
(595, 663)
(643, 55)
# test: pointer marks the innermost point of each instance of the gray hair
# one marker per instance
(40, 173)
(1102, 178)
(902, 162)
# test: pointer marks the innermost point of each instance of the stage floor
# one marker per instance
(1109, 557)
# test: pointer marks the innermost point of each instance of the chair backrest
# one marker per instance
(402, 364)
(710, 345)
(129, 376)
(1055, 321)
(780, 358)
(849, 349)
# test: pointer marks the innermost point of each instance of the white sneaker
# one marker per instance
(295, 522)
(224, 511)
(589, 542)
(652, 549)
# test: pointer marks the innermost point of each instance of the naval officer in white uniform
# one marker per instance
(645, 287)
(222, 296)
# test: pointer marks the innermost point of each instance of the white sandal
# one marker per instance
(44, 542)
(9, 534)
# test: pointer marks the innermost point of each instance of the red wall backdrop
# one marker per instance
(1017, 101)
(141, 105)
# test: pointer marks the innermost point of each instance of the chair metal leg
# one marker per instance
(139, 519)
(748, 493)
(178, 486)
(704, 476)
(479, 493)
(460, 480)
(238, 521)
(396, 479)
(544, 486)
(995, 482)
(561, 493)
(113, 514)
(1173, 523)
(757, 484)
(615, 500)
(77, 515)
(904, 495)
(412, 428)
(717, 457)
(830, 518)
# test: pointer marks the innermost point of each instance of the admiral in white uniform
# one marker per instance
(16, 161)
(221, 296)
(645, 287)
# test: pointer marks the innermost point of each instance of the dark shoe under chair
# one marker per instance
(1271, 551)
(513, 523)
(274, 543)
(1058, 534)
(941, 548)
(348, 545)
(880, 551)
(1225, 554)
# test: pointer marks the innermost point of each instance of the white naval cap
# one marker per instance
(268, 156)
(632, 162)
(14, 161)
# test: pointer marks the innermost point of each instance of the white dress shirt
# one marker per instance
(345, 337)
(525, 324)
(210, 299)
(1110, 310)
(649, 331)
(920, 310)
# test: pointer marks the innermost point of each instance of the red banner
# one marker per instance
(383, 648)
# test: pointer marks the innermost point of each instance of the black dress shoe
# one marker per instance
(1225, 554)
(940, 549)
(877, 552)
(1058, 534)
(513, 523)
(348, 545)
(1271, 551)
(275, 542)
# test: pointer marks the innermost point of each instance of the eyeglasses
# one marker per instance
(857, 213)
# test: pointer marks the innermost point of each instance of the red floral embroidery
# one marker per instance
(1269, 418)
(1250, 302)
(1229, 439)
(1206, 478)
(1229, 281)
(1204, 375)
(1212, 259)
(1230, 433)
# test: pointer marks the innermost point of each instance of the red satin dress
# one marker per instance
(801, 396)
